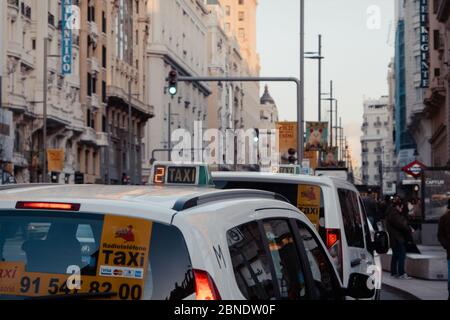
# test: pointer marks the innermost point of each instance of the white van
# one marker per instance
(334, 206)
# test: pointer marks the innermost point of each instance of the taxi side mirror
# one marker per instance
(381, 242)
(360, 286)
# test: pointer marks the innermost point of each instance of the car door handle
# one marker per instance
(356, 262)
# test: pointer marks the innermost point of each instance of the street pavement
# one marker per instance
(422, 289)
(392, 293)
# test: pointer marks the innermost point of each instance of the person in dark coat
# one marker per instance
(372, 209)
(399, 234)
(444, 238)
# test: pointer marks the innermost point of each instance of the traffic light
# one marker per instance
(292, 156)
(256, 138)
(173, 82)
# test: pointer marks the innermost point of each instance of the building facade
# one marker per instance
(25, 27)
(126, 89)
(436, 99)
(177, 41)
(377, 118)
(87, 109)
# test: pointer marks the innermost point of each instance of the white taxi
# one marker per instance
(160, 242)
(335, 208)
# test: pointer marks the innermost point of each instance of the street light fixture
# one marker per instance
(318, 56)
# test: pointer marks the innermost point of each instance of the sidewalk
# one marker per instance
(422, 289)
(430, 264)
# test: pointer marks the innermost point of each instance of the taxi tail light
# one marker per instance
(334, 246)
(205, 288)
(26, 205)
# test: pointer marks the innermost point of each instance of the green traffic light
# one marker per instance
(173, 90)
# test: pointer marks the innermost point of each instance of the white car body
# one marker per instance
(203, 215)
(354, 259)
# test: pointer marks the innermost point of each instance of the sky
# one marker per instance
(357, 43)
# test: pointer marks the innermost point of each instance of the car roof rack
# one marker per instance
(191, 202)
(4, 187)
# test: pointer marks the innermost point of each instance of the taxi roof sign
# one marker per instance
(289, 169)
(180, 174)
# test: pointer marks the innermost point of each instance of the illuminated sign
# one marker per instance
(424, 45)
(414, 169)
(290, 169)
(174, 174)
(66, 41)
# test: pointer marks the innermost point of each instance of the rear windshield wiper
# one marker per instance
(77, 296)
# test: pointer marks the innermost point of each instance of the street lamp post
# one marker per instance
(318, 56)
(301, 92)
(44, 111)
(331, 113)
(131, 154)
(330, 99)
(337, 128)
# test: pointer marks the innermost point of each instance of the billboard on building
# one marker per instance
(329, 158)
(6, 135)
(435, 193)
(316, 136)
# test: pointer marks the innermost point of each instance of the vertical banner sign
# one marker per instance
(287, 139)
(316, 136)
(329, 158)
(424, 45)
(66, 43)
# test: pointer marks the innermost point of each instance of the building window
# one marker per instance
(91, 13)
(228, 10)
(124, 33)
(103, 22)
(241, 2)
(241, 16)
(419, 94)
(241, 33)
(89, 84)
(86, 162)
(17, 141)
(104, 57)
(104, 92)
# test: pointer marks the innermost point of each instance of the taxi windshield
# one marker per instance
(53, 254)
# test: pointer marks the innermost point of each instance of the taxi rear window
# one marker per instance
(45, 254)
(307, 198)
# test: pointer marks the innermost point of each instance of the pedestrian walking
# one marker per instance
(400, 234)
(444, 238)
